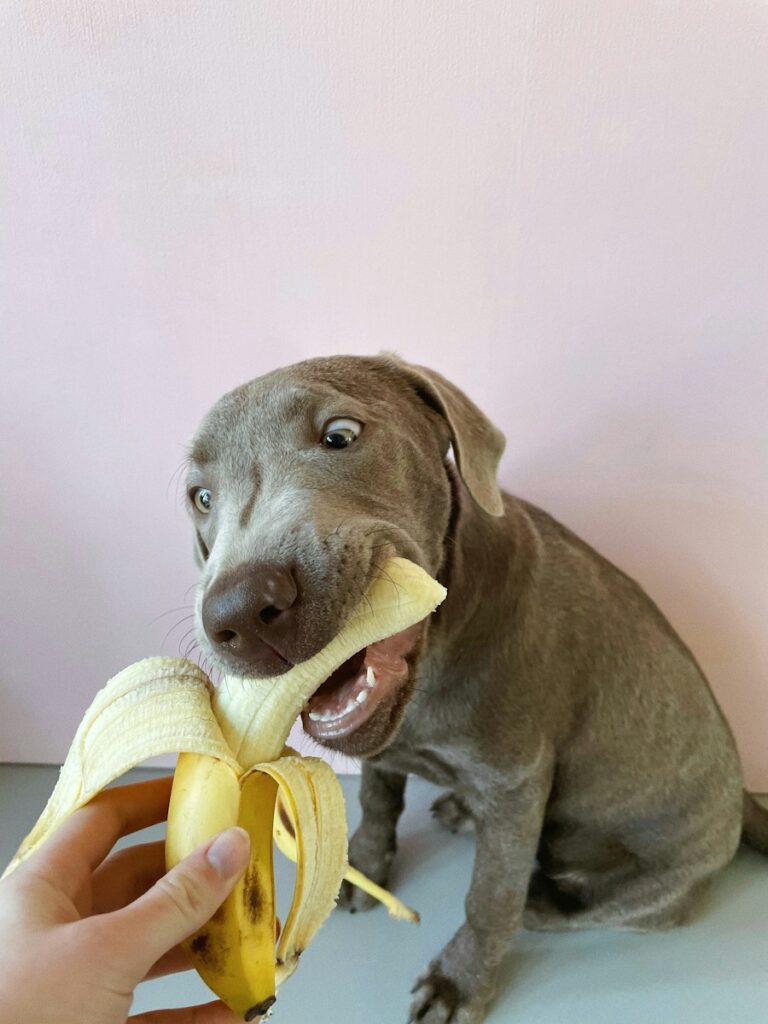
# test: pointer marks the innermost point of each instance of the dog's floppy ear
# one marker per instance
(477, 443)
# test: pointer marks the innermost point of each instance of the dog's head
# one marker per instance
(301, 483)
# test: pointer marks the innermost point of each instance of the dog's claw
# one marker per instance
(438, 1000)
(435, 1000)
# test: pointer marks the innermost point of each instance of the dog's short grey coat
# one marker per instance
(571, 725)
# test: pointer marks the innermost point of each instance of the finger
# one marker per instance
(209, 1013)
(85, 839)
(172, 962)
(126, 875)
(181, 901)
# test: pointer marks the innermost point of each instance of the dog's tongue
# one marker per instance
(354, 691)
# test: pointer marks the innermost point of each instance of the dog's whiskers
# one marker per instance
(176, 625)
(162, 615)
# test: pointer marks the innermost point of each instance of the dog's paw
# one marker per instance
(459, 984)
(453, 814)
(437, 1000)
(353, 899)
(367, 855)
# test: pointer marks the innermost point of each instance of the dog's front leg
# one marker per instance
(459, 984)
(373, 846)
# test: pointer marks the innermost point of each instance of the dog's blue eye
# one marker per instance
(202, 500)
(340, 433)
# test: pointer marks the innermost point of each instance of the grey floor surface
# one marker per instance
(360, 969)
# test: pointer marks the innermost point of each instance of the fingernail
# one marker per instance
(228, 853)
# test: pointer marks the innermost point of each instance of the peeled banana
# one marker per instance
(232, 766)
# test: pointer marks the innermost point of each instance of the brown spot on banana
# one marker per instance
(253, 896)
(204, 948)
(261, 1009)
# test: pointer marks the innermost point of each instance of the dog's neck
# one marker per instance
(478, 556)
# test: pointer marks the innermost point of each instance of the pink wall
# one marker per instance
(560, 204)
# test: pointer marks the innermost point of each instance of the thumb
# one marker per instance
(183, 899)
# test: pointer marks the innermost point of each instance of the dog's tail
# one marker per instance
(754, 830)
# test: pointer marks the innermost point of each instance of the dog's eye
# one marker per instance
(340, 433)
(201, 499)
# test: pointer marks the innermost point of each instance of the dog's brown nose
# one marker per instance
(247, 612)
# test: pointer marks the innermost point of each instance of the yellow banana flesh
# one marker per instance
(232, 764)
(256, 715)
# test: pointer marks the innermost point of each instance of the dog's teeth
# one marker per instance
(332, 716)
(370, 678)
(323, 716)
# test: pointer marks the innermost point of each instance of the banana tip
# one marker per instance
(405, 914)
(261, 1009)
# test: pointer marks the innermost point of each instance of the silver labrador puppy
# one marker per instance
(572, 726)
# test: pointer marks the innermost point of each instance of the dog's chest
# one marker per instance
(439, 756)
(430, 742)
(436, 766)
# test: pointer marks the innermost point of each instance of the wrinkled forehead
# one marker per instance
(266, 415)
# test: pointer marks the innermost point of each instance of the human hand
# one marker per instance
(80, 928)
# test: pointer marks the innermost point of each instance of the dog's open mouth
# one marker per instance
(359, 686)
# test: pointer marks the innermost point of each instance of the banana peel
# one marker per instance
(233, 767)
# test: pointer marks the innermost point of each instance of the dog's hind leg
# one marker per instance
(654, 900)
(452, 813)
(548, 908)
